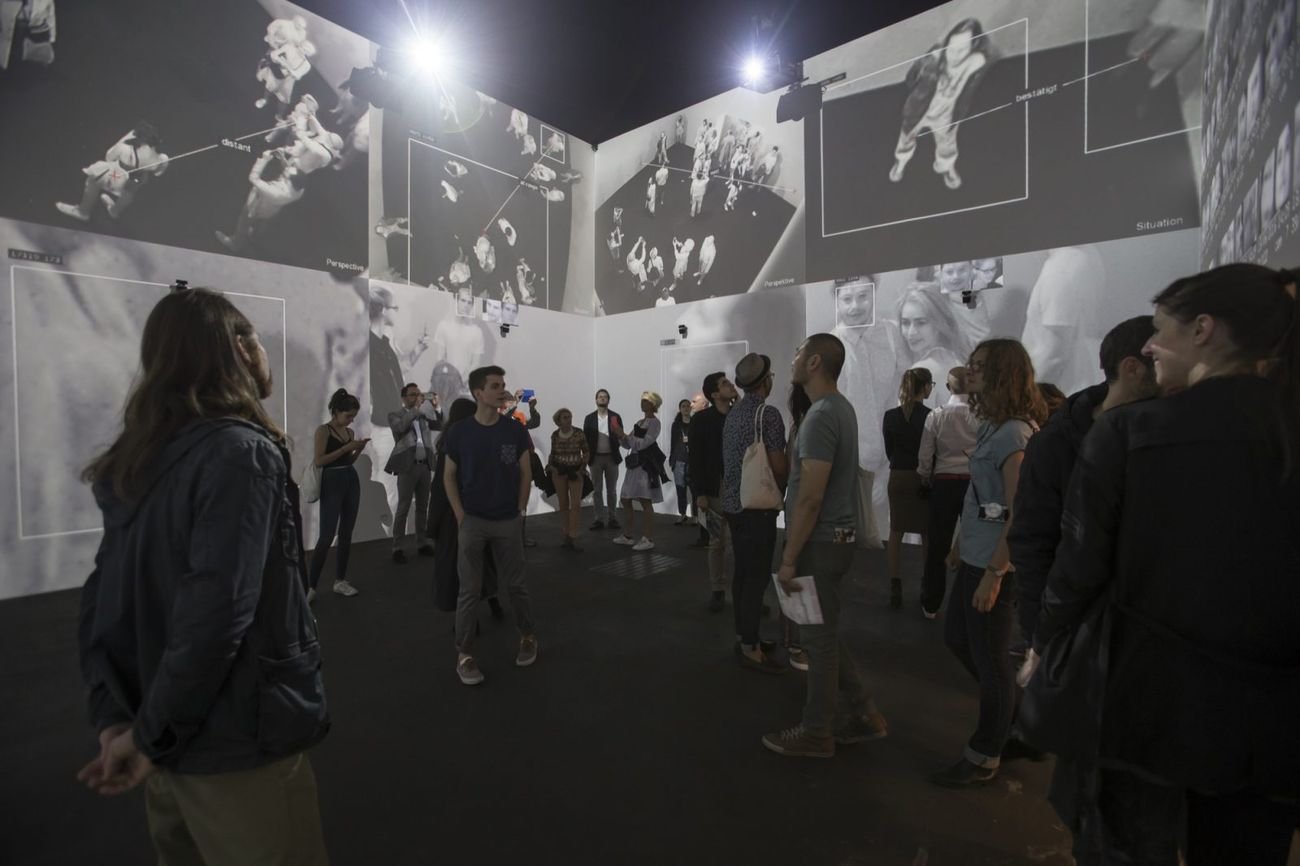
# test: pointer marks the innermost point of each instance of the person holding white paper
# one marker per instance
(821, 518)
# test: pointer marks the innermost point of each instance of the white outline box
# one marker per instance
(410, 222)
(1087, 78)
(821, 143)
(541, 145)
(664, 350)
(13, 325)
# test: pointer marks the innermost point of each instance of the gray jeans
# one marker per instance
(504, 538)
(414, 482)
(835, 689)
(604, 482)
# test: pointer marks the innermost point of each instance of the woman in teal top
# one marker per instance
(981, 609)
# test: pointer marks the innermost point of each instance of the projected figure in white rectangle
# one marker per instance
(286, 63)
(932, 336)
(940, 87)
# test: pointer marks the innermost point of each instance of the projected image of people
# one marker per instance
(941, 85)
(260, 156)
(488, 194)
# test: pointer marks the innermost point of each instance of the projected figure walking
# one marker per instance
(940, 87)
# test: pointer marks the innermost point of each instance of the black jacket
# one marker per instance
(592, 432)
(1040, 496)
(704, 460)
(1178, 509)
(678, 437)
(194, 623)
(903, 436)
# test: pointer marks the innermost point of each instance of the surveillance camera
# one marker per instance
(681, 329)
(968, 298)
(505, 330)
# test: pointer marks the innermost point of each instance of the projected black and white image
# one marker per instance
(238, 134)
(965, 128)
(483, 193)
(79, 296)
(698, 204)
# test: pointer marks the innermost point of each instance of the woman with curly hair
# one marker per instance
(981, 611)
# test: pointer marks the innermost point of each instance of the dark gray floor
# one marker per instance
(634, 740)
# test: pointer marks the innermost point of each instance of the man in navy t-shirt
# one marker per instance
(488, 476)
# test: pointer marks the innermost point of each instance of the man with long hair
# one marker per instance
(198, 650)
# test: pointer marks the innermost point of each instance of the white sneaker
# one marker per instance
(625, 540)
(644, 544)
(311, 596)
(342, 587)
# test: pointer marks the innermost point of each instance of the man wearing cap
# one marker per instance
(705, 468)
(753, 530)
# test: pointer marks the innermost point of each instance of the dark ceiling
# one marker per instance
(598, 68)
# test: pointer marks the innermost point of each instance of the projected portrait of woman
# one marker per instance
(931, 335)
(940, 88)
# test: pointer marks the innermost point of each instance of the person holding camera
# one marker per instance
(411, 462)
(567, 467)
(981, 611)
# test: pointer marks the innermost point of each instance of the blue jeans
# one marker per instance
(835, 689)
(981, 642)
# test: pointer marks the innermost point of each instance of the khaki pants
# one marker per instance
(263, 817)
(720, 570)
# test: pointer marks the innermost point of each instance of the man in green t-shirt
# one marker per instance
(821, 517)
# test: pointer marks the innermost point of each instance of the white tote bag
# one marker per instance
(758, 488)
(868, 532)
(310, 486)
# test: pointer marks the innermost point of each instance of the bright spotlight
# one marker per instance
(429, 56)
(753, 69)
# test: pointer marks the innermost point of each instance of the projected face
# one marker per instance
(855, 305)
(956, 277)
(958, 48)
(984, 272)
(918, 330)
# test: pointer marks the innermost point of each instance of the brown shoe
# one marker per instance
(798, 743)
(862, 729)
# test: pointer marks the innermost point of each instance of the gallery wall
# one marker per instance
(406, 221)
(1252, 103)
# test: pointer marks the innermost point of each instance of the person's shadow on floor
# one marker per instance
(374, 517)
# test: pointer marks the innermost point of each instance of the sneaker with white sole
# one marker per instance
(467, 670)
(625, 540)
(342, 587)
(644, 544)
(798, 658)
(527, 651)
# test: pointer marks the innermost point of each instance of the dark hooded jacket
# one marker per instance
(194, 622)
(1040, 497)
(1182, 515)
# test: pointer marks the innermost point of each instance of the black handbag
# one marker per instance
(1061, 709)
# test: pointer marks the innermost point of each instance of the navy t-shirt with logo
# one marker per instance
(487, 466)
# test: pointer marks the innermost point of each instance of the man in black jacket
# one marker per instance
(198, 650)
(602, 429)
(1051, 454)
(705, 467)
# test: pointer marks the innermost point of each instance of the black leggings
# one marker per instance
(684, 500)
(340, 496)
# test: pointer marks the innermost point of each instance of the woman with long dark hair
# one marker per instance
(445, 532)
(336, 449)
(1182, 524)
(908, 512)
(981, 610)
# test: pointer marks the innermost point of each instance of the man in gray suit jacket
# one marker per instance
(412, 463)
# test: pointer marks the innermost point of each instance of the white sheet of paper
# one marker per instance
(803, 607)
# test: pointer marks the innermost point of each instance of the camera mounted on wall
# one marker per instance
(180, 285)
(505, 330)
(682, 330)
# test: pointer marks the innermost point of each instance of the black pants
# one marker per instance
(1140, 822)
(753, 542)
(340, 497)
(981, 642)
(946, 498)
(684, 500)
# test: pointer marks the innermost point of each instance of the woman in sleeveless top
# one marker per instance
(336, 449)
